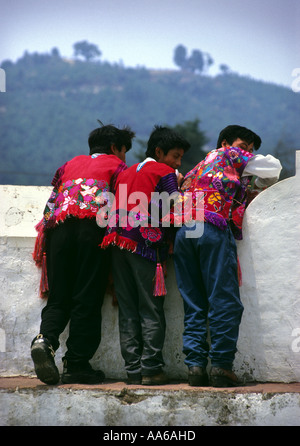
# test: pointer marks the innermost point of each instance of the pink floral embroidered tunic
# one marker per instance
(78, 185)
(77, 190)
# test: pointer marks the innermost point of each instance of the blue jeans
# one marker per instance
(206, 273)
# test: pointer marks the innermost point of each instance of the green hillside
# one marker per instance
(51, 104)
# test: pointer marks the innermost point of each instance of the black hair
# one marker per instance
(166, 139)
(232, 132)
(101, 139)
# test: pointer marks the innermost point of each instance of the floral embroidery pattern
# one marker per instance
(151, 234)
(219, 177)
(214, 199)
(82, 193)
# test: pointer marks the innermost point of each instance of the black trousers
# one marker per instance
(77, 274)
(141, 315)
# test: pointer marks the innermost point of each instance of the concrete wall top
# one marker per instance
(21, 208)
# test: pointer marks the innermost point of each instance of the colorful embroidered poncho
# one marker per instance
(219, 177)
(77, 186)
(131, 224)
(77, 191)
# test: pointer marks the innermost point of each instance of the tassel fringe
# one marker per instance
(39, 257)
(239, 273)
(44, 289)
(117, 240)
(39, 246)
(159, 282)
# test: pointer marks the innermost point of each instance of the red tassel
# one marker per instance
(39, 248)
(159, 282)
(239, 273)
(44, 278)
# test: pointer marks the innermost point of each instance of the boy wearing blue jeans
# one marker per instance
(206, 267)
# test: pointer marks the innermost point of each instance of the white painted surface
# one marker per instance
(39, 407)
(269, 343)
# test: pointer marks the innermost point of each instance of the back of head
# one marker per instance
(233, 132)
(101, 139)
(166, 139)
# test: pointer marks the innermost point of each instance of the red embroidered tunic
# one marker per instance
(78, 184)
(77, 188)
(131, 225)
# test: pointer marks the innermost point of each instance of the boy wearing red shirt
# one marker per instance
(140, 246)
(74, 268)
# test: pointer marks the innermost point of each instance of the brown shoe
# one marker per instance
(81, 372)
(134, 378)
(197, 376)
(154, 380)
(223, 378)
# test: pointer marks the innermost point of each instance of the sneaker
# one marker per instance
(42, 354)
(197, 376)
(81, 373)
(154, 380)
(134, 378)
(223, 378)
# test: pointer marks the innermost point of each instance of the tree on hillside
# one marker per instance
(55, 52)
(180, 56)
(197, 62)
(224, 68)
(87, 50)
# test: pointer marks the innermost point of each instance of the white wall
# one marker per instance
(269, 342)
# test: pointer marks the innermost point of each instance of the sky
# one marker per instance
(255, 38)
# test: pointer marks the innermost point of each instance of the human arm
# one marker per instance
(180, 177)
(266, 168)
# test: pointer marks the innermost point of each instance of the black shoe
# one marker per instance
(154, 380)
(79, 372)
(42, 354)
(134, 378)
(197, 376)
(223, 378)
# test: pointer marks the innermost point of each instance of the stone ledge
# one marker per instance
(27, 402)
(24, 382)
